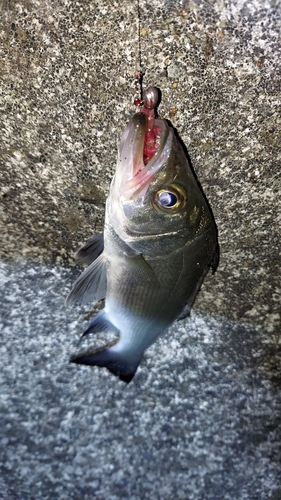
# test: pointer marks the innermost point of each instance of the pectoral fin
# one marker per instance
(142, 269)
(114, 361)
(91, 284)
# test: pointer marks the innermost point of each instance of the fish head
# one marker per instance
(153, 203)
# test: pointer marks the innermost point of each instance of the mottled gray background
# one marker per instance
(202, 418)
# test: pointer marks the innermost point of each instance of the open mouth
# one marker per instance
(144, 147)
(152, 139)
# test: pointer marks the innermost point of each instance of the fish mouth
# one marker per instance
(142, 152)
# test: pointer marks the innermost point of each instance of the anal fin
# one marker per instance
(100, 323)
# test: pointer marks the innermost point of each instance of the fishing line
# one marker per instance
(138, 60)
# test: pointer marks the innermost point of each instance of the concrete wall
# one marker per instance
(67, 86)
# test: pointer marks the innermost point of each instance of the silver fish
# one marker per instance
(159, 241)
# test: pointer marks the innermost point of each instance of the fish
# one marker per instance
(159, 241)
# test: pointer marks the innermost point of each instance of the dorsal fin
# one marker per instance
(91, 284)
(91, 249)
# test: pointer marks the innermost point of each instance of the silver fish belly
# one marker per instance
(159, 241)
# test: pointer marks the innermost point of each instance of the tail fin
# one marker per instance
(118, 364)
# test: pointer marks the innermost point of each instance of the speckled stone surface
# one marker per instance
(66, 94)
(200, 420)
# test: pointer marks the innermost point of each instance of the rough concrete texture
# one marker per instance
(67, 86)
(201, 419)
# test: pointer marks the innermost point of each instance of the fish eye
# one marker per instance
(167, 199)
(170, 199)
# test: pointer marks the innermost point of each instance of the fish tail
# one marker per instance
(116, 362)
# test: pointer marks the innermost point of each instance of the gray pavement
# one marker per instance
(200, 420)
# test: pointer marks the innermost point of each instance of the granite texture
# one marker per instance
(200, 420)
(67, 86)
